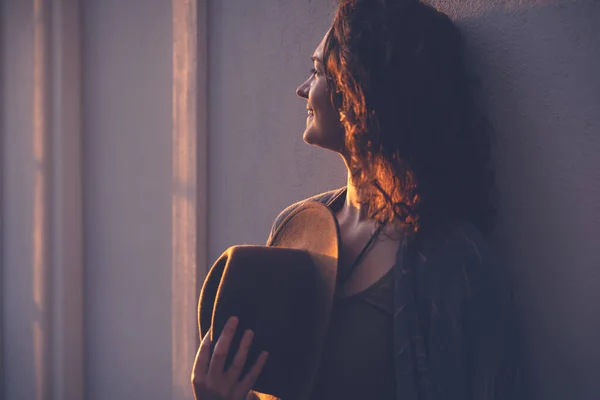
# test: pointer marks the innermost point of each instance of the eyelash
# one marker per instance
(313, 72)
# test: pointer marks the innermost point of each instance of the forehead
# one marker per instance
(318, 53)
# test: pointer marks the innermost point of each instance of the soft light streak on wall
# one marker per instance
(184, 211)
(39, 265)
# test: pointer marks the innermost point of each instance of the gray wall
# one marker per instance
(101, 167)
(22, 258)
(127, 62)
(538, 61)
(539, 66)
(259, 52)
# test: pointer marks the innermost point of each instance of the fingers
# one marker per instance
(217, 362)
(248, 381)
(202, 360)
(208, 375)
(240, 356)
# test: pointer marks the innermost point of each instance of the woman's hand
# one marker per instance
(210, 381)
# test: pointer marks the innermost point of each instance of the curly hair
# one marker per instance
(419, 147)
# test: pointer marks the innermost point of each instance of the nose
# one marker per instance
(302, 90)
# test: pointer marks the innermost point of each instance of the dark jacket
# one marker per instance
(455, 335)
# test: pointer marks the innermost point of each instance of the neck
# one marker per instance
(353, 209)
(354, 212)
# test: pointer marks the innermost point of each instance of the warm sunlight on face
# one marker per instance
(323, 127)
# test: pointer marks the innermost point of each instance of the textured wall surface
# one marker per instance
(538, 61)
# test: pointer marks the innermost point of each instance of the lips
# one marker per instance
(310, 112)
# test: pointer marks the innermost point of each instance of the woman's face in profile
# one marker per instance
(323, 127)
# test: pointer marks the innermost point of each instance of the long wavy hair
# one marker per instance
(419, 147)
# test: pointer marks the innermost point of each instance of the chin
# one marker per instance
(316, 139)
(311, 137)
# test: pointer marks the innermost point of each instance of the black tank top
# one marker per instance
(357, 361)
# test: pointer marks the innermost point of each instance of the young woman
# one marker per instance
(422, 313)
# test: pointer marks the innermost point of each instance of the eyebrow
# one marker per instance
(314, 58)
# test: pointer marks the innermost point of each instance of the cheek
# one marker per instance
(320, 95)
(325, 130)
(322, 104)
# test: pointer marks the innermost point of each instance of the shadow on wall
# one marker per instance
(538, 64)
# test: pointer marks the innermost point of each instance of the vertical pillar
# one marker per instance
(189, 183)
